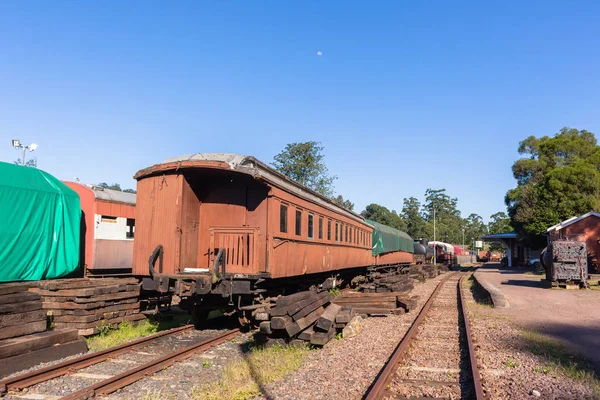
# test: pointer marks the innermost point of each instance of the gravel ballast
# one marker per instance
(346, 368)
(511, 363)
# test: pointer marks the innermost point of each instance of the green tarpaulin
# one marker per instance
(39, 225)
(386, 239)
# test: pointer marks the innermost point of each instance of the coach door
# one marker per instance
(240, 248)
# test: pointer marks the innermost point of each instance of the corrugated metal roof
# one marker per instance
(506, 235)
(115, 196)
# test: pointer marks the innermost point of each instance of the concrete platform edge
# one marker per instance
(498, 298)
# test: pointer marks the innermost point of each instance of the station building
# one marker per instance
(517, 253)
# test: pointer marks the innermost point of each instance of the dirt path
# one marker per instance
(572, 316)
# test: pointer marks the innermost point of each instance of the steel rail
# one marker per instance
(473, 360)
(53, 371)
(377, 389)
(379, 386)
(117, 382)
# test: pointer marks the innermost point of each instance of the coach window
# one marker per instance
(346, 234)
(320, 227)
(350, 235)
(336, 231)
(283, 218)
(311, 219)
(298, 222)
(328, 229)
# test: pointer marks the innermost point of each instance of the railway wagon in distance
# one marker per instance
(223, 228)
(107, 229)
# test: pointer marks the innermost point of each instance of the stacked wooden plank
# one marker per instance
(376, 303)
(422, 272)
(306, 317)
(86, 304)
(20, 311)
(24, 340)
(390, 282)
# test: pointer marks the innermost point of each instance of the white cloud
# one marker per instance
(319, 53)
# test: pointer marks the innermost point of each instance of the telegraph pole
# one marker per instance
(434, 244)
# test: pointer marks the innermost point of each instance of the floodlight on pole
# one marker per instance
(17, 145)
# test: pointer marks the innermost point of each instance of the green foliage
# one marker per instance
(499, 223)
(335, 292)
(304, 163)
(384, 216)
(416, 226)
(109, 337)
(32, 162)
(511, 363)
(115, 186)
(558, 178)
(243, 378)
(347, 204)
(474, 228)
(449, 224)
(205, 364)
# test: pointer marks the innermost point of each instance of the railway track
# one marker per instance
(436, 358)
(111, 384)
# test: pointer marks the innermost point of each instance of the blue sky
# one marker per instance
(406, 96)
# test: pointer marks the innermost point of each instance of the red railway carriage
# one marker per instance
(223, 222)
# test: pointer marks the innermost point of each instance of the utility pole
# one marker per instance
(463, 231)
(434, 244)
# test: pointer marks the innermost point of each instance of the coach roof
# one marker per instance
(247, 165)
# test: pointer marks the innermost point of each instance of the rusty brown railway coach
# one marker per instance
(220, 229)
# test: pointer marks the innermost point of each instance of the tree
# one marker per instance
(449, 224)
(129, 191)
(558, 178)
(381, 214)
(499, 223)
(347, 204)
(304, 163)
(474, 228)
(416, 226)
(114, 186)
(32, 162)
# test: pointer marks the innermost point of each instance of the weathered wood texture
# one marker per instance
(20, 362)
(326, 321)
(86, 304)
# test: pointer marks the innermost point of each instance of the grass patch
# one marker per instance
(108, 336)
(126, 332)
(594, 287)
(242, 379)
(557, 359)
(512, 363)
